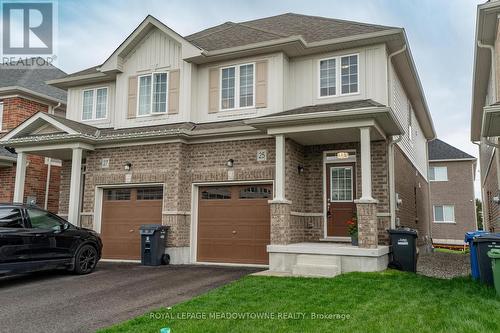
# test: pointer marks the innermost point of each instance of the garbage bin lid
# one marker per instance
(153, 227)
(494, 253)
(469, 235)
(403, 231)
(489, 237)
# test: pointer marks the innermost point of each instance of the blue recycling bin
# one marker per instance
(474, 265)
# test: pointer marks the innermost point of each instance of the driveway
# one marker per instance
(61, 302)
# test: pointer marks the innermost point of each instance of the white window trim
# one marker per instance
(443, 222)
(352, 183)
(1, 116)
(94, 103)
(338, 76)
(151, 113)
(237, 87)
(438, 180)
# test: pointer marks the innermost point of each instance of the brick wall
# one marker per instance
(491, 189)
(459, 192)
(7, 178)
(413, 190)
(17, 109)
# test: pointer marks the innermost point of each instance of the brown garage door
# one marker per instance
(123, 212)
(234, 224)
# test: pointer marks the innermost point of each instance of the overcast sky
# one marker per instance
(440, 32)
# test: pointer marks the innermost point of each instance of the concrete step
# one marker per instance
(316, 270)
(317, 259)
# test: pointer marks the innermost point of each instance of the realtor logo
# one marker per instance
(27, 28)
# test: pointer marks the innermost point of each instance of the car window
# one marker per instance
(43, 220)
(10, 218)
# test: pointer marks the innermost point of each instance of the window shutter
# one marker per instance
(173, 91)
(132, 97)
(261, 84)
(213, 90)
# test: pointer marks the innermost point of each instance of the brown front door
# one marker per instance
(340, 194)
(124, 210)
(234, 224)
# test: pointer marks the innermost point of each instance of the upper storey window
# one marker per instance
(95, 104)
(152, 94)
(237, 87)
(438, 173)
(338, 72)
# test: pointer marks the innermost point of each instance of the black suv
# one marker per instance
(32, 239)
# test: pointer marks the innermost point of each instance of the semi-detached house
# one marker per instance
(255, 142)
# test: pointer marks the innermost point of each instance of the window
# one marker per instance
(95, 104)
(341, 184)
(331, 76)
(438, 173)
(1, 115)
(152, 94)
(256, 192)
(237, 87)
(10, 218)
(43, 220)
(444, 214)
(118, 194)
(216, 193)
(154, 193)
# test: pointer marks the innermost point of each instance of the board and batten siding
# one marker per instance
(74, 109)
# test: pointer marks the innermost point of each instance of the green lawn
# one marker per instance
(390, 301)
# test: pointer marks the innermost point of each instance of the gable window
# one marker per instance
(237, 87)
(444, 214)
(95, 104)
(338, 71)
(152, 94)
(438, 173)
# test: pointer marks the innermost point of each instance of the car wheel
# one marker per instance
(85, 259)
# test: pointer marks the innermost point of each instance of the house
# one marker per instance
(255, 142)
(485, 117)
(451, 176)
(23, 93)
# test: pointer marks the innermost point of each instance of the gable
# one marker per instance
(46, 129)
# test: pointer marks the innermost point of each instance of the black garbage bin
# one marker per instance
(153, 237)
(483, 244)
(404, 249)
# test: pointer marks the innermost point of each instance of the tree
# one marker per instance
(479, 214)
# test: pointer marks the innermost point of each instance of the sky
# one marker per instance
(440, 33)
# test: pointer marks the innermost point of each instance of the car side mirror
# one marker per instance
(65, 226)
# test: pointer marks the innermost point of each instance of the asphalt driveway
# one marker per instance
(61, 302)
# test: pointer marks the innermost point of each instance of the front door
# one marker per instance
(340, 194)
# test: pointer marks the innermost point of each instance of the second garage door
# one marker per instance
(124, 210)
(234, 224)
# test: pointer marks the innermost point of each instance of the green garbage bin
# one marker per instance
(494, 254)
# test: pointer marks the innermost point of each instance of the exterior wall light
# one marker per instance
(128, 166)
(230, 163)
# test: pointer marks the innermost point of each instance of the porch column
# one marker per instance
(366, 206)
(74, 188)
(20, 177)
(280, 206)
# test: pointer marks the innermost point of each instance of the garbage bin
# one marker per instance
(483, 244)
(469, 237)
(153, 237)
(494, 255)
(404, 249)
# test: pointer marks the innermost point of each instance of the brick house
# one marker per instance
(451, 175)
(24, 93)
(255, 142)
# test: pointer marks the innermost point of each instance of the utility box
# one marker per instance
(153, 238)
(404, 249)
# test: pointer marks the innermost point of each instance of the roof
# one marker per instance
(310, 28)
(6, 153)
(86, 71)
(440, 150)
(367, 103)
(31, 74)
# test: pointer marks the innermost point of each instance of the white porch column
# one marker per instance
(366, 165)
(20, 177)
(279, 192)
(74, 188)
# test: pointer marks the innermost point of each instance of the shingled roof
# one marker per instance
(440, 150)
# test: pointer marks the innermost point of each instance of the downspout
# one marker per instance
(483, 196)
(392, 142)
(49, 169)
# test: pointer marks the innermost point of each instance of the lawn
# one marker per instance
(389, 301)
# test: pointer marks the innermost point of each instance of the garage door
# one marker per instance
(124, 210)
(234, 224)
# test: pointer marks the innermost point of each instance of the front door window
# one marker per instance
(341, 184)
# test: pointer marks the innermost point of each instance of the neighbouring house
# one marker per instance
(255, 142)
(485, 119)
(451, 175)
(24, 93)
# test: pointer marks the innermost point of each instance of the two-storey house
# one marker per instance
(255, 142)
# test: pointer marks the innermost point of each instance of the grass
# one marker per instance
(389, 301)
(466, 251)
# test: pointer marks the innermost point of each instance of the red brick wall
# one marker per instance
(7, 177)
(17, 109)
